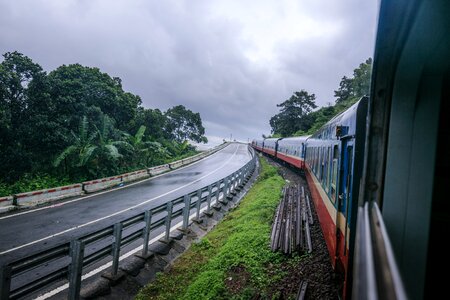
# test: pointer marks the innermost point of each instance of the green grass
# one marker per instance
(239, 242)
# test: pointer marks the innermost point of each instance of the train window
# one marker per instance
(349, 173)
(314, 158)
(316, 154)
(322, 154)
(327, 169)
(317, 160)
(334, 173)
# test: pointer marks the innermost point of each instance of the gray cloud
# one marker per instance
(232, 61)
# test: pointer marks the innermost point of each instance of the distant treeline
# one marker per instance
(297, 115)
(77, 123)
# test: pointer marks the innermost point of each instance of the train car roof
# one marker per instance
(341, 118)
(271, 139)
(295, 139)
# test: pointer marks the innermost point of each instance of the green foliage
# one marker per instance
(241, 241)
(34, 182)
(357, 86)
(183, 124)
(291, 122)
(294, 114)
(78, 122)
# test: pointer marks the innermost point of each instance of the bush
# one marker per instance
(33, 182)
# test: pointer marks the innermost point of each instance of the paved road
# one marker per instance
(31, 231)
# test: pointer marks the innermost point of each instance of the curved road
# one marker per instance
(30, 231)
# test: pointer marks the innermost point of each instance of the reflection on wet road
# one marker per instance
(29, 232)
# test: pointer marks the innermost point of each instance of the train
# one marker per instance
(379, 172)
(332, 161)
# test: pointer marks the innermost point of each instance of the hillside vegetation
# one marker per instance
(298, 116)
(77, 123)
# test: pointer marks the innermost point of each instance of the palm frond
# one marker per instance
(86, 155)
(140, 134)
(83, 128)
(113, 151)
(69, 150)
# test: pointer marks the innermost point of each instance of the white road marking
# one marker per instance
(109, 264)
(104, 192)
(119, 212)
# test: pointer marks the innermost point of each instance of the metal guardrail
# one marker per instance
(116, 237)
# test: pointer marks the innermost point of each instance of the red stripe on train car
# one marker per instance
(269, 151)
(326, 221)
(296, 162)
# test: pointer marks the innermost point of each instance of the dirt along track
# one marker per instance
(316, 267)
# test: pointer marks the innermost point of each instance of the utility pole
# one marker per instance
(231, 137)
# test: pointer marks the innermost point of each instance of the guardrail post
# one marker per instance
(5, 282)
(218, 191)
(186, 210)
(208, 198)
(168, 220)
(225, 188)
(146, 232)
(75, 269)
(198, 204)
(116, 247)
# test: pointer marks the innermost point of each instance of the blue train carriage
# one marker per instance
(292, 150)
(334, 164)
(258, 144)
(270, 146)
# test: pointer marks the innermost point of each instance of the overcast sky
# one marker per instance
(232, 61)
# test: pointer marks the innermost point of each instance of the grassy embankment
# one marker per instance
(233, 261)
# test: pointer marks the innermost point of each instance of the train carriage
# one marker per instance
(258, 144)
(292, 150)
(334, 163)
(270, 146)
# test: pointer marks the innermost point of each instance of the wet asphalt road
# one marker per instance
(25, 233)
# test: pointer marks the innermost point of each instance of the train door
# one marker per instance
(342, 203)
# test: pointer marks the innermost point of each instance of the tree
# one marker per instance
(82, 119)
(351, 89)
(156, 154)
(18, 76)
(182, 124)
(83, 91)
(361, 78)
(153, 120)
(107, 153)
(80, 152)
(345, 90)
(92, 152)
(143, 152)
(294, 114)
